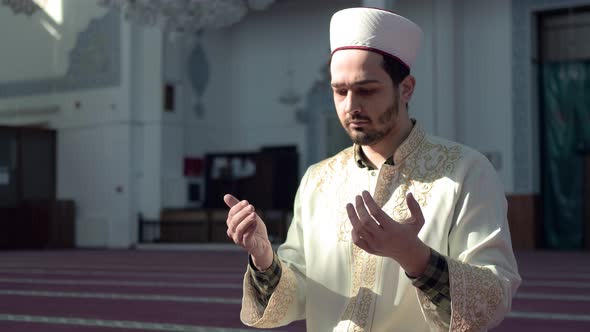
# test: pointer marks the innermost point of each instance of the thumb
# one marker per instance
(415, 210)
(230, 200)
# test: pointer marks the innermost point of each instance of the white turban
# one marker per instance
(376, 30)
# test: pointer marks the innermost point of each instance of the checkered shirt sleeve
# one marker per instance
(265, 282)
(434, 282)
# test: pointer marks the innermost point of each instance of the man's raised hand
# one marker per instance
(246, 229)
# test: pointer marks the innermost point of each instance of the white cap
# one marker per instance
(376, 30)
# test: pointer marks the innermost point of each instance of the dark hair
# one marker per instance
(395, 69)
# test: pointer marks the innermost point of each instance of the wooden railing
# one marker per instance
(203, 226)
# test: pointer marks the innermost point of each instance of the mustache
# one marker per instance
(355, 117)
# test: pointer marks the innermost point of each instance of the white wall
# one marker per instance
(423, 104)
(37, 47)
(174, 71)
(146, 120)
(93, 144)
(249, 65)
(464, 75)
(119, 154)
(210, 133)
(487, 80)
(92, 164)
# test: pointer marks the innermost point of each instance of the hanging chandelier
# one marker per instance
(186, 15)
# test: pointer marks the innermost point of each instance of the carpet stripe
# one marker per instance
(188, 269)
(568, 276)
(126, 274)
(118, 296)
(556, 283)
(117, 324)
(121, 283)
(548, 316)
(558, 297)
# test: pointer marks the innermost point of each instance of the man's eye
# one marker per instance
(366, 92)
(341, 92)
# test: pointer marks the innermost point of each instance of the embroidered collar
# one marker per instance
(403, 151)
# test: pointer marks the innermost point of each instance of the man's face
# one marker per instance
(364, 96)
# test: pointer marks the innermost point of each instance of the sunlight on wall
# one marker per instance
(53, 8)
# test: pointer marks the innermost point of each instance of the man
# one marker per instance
(400, 232)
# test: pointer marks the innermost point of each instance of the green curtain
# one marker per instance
(566, 129)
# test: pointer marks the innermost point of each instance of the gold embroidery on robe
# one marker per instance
(282, 297)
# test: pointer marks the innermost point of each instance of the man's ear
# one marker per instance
(407, 88)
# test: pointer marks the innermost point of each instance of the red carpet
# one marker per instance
(200, 290)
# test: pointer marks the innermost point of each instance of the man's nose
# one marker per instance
(353, 104)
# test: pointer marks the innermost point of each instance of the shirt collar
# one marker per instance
(403, 151)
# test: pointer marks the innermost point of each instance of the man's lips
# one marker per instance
(357, 122)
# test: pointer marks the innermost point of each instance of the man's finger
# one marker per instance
(352, 216)
(376, 211)
(238, 208)
(248, 225)
(365, 217)
(357, 225)
(234, 204)
(415, 210)
(230, 200)
(236, 219)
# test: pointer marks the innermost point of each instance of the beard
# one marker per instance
(370, 136)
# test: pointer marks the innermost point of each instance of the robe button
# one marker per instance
(373, 173)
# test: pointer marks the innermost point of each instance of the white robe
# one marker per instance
(336, 286)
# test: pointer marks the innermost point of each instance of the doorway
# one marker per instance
(564, 98)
